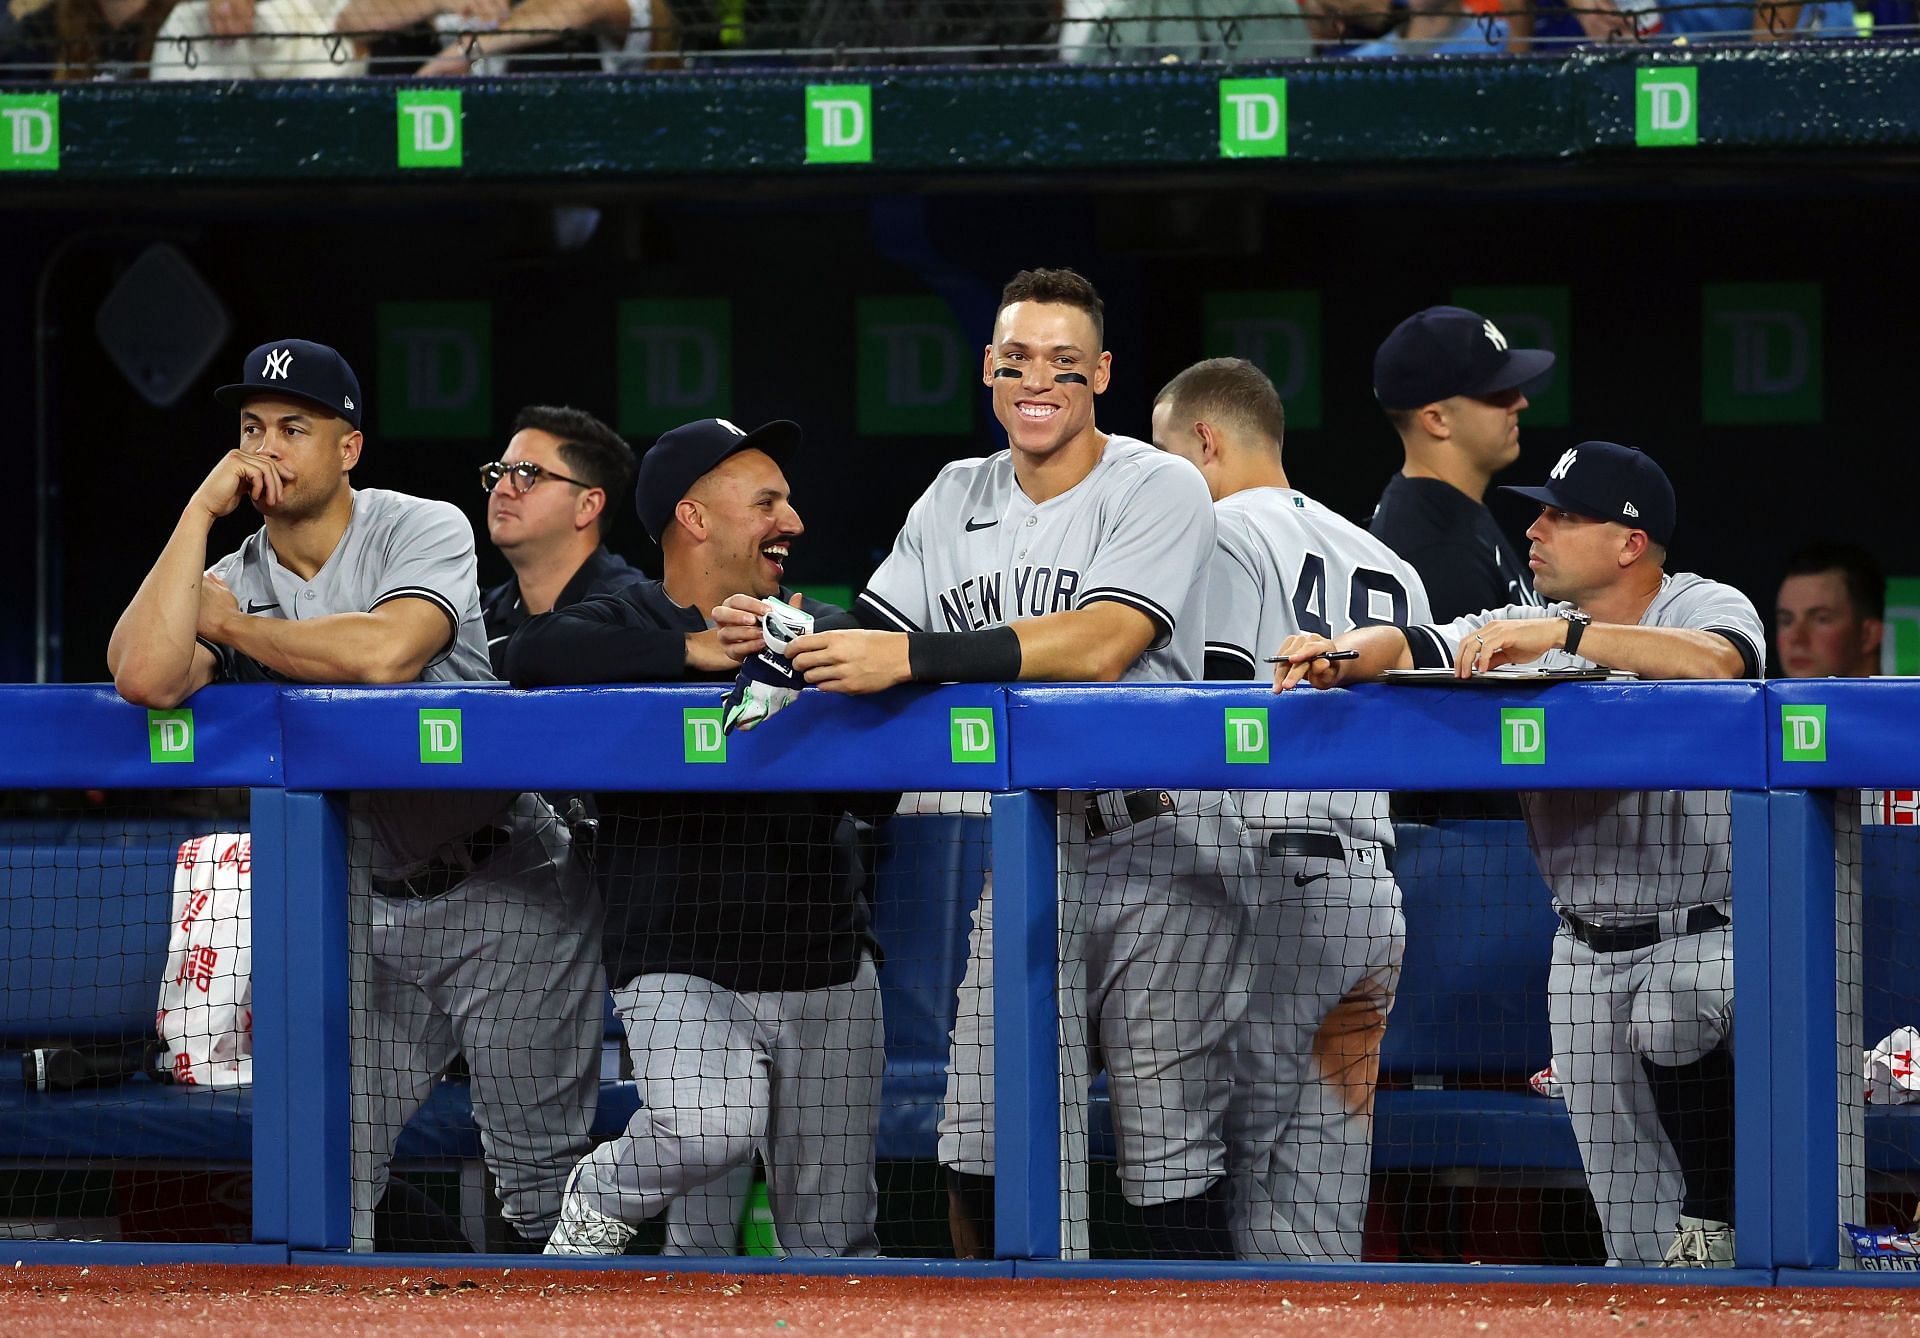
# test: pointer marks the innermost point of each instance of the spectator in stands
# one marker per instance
(1122, 31)
(1453, 391)
(630, 34)
(473, 926)
(737, 925)
(1830, 615)
(258, 39)
(548, 512)
(1640, 993)
(83, 39)
(1667, 20)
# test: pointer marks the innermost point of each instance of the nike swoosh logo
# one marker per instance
(259, 608)
(973, 525)
(1301, 879)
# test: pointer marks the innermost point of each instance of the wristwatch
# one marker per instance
(1577, 625)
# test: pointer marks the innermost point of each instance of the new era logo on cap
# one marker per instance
(301, 369)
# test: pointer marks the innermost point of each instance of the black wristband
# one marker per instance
(989, 656)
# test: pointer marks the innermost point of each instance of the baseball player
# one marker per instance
(1640, 994)
(474, 933)
(1077, 555)
(1327, 935)
(737, 925)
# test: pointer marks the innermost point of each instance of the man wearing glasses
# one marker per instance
(548, 512)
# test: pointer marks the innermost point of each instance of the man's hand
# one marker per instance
(1516, 641)
(218, 608)
(451, 63)
(737, 627)
(1296, 663)
(708, 654)
(852, 660)
(241, 474)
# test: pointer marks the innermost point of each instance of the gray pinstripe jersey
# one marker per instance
(1283, 564)
(1137, 530)
(394, 547)
(1623, 854)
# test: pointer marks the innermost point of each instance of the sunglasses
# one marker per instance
(525, 475)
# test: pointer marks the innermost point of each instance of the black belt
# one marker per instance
(1319, 845)
(442, 876)
(1643, 934)
(1139, 805)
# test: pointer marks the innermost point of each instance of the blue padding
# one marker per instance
(1890, 924)
(73, 737)
(1473, 991)
(1491, 1130)
(139, 1120)
(1382, 736)
(633, 738)
(1871, 738)
(84, 910)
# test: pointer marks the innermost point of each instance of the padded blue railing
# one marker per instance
(300, 749)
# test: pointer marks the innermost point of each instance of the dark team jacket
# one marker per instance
(601, 574)
(752, 892)
(1464, 561)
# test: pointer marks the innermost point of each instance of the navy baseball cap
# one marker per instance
(679, 458)
(1609, 482)
(1446, 351)
(299, 368)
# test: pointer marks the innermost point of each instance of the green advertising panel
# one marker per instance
(436, 370)
(29, 132)
(1761, 353)
(839, 123)
(1253, 118)
(674, 357)
(428, 124)
(1276, 331)
(1534, 318)
(916, 376)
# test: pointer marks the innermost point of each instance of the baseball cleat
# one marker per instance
(1700, 1242)
(584, 1229)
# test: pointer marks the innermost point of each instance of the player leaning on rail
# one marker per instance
(1641, 990)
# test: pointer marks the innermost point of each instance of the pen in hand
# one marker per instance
(1321, 655)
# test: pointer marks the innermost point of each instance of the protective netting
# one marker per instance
(125, 1016)
(203, 39)
(749, 1057)
(1877, 841)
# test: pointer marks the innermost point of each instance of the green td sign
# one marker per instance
(1533, 318)
(913, 377)
(839, 123)
(1666, 108)
(436, 370)
(970, 733)
(29, 132)
(428, 121)
(1278, 332)
(440, 737)
(170, 736)
(1253, 118)
(1761, 353)
(1803, 733)
(1247, 734)
(1523, 736)
(674, 359)
(702, 734)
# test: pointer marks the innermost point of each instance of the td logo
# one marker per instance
(970, 732)
(1523, 736)
(29, 132)
(429, 121)
(839, 123)
(702, 735)
(440, 739)
(170, 736)
(1253, 118)
(1666, 108)
(1803, 733)
(1247, 734)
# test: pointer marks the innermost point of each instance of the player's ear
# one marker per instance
(1102, 372)
(1634, 547)
(1434, 419)
(592, 502)
(690, 514)
(986, 366)
(350, 450)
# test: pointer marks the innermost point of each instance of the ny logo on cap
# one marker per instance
(1559, 471)
(1492, 332)
(278, 363)
(730, 427)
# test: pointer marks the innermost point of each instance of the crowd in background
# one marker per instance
(226, 39)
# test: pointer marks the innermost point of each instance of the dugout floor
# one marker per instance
(446, 1303)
